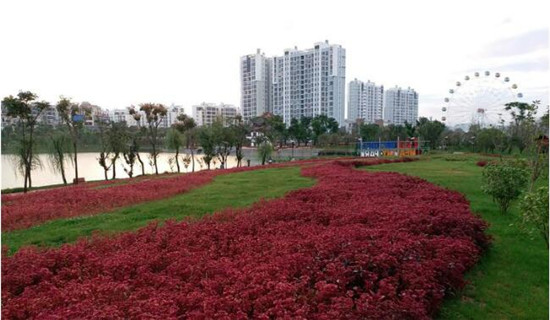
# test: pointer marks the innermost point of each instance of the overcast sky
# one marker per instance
(118, 53)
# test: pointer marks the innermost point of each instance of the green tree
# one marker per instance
(185, 125)
(534, 212)
(59, 152)
(131, 153)
(154, 116)
(118, 139)
(265, 148)
(369, 131)
(322, 124)
(104, 151)
(504, 182)
(523, 125)
(224, 141)
(410, 129)
(191, 138)
(240, 131)
(278, 132)
(174, 140)
(491, 139)
(73, 116)
(207, 141)
(300, 130)
(430, 130)
(393, 132)
(26, 110)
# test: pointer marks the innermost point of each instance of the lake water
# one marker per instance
(89, 168)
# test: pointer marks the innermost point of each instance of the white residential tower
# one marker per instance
(365, 101)
(400, 105)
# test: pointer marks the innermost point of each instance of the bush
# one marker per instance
(331, 152)
(534, 212)
(481, 163)
(504, 182)
(317, 253)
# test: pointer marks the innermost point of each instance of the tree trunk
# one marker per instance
(26, 180)
(193, 159)
(75, 163)
(177, 161)
(141, 163)
(113, 164)
(29, 160)
(62, 167)
(155, 159)
(30, 180)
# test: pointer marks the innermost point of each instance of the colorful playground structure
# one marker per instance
(411, 147)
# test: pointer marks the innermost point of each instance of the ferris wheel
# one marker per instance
(480, 99)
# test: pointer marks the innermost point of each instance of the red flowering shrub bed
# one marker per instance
(21, 211)
(358, 245)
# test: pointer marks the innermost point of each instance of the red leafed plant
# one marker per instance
(481, 163)
(357, 245)
(21, 211)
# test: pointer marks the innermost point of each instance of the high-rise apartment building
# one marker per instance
(207, 113)
(400, 105)
(301, 83)
(365, 101)
(255, 85)
(307, 83)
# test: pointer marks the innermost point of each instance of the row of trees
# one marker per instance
(26, 108)
(117, 142)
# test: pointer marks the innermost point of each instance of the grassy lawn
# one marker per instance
(226, 191)
(511, 280)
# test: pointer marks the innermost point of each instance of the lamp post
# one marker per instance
(360, 147)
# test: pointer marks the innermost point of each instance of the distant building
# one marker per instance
(172, 115)
(123, 115)
(207, 113)
(49, 116)
(365, 101)
(255, 85)
(310, 82)
(400, 105)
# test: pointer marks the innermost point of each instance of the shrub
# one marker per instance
(481, 163)
(534, 212)
(358, 245)
(504, 182)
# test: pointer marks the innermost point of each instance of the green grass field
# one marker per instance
(511, 280)
(226, 191)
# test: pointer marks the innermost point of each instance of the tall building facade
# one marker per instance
(207, 113)
(400, 105)
(300, 83)
(255, 85)
(307, 83)
(365, 101)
